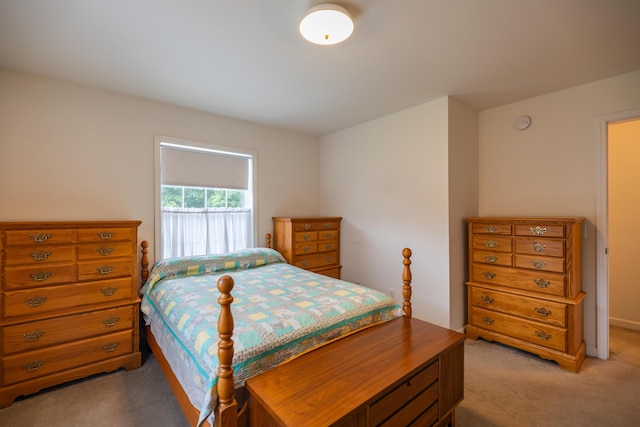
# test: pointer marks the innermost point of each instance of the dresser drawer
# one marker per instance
(328, 235)
(544, 247)
(412, 387)
(306, 248)
(496, 258)
(327, 245)
(491, 243)
(88, 235)
(38, 275)
(533, 332)
(316, 260)
(540, 230)
(104, 269)
(34, 364)
(39, 255)
(540, 263)
(105, 250)
(330, 272)
(315, 225)
(541, 282)
(53, 298)
(39, 237)
(35, 335)
(550, 312)
(306, 236)
(489, 228)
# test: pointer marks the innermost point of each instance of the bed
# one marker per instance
(282, 316)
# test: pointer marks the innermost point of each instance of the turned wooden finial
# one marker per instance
(267, 241)
(226, 411)
(144, 262)
(406, 280)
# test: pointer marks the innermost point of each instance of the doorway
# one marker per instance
(603, 290)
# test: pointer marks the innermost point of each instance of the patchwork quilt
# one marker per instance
(280, 311)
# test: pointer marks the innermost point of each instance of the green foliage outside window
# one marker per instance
(201, 198)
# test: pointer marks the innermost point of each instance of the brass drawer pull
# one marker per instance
(32, 366)
(487, 321)
(327, 225)
(305, 263)
(538, 247)
(543, 311)
(40, 237)
(110, 347)
(107, 292)
(329, 259)
(106, 235)
(537, 230)
(307, 226)
(106, 269)
(491, 258)
(35, 301)
(487, 299)
(328, 235)
(490, 229)
(40, 255)
(111, 322)
(33, 336)
(105, 251)
(491, 244)
(306, 237)
(40, 276)
(543, 335)
(306, 248)
(328, 246)
(542, 283)
(488, 275)
(538, 263)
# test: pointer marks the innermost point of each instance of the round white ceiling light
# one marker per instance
(326, 24)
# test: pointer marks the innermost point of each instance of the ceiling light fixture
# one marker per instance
(326, 24)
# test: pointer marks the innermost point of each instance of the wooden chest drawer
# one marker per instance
(544, 247)
(390, 407)
(89, 235)
(540, 263)
(38, 275)
(39, 255)
(42, 300)
(34, 364)
(306, 236)
(491, 228)
(533, 332)
(315, 225)
(327, 245)
(306, 248)
(496, 258)
(491, 243)
(105, 250)
(541, 282)
(39, 237)
(553, 313)
(539, 230)
(44, 333)
(104, 269)
(316, 260)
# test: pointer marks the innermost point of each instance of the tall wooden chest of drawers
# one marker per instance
(525, 286)
(69, 302)
(312, 243)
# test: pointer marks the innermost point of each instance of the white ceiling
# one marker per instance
(245, 58)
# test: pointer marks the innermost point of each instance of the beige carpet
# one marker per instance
(503, 387)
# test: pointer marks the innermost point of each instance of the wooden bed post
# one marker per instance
(226, 412)
(267, 241)
(406, 280)
(144, 262)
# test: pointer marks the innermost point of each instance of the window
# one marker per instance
(205, 198)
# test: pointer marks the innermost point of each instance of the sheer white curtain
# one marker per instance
(188, 231)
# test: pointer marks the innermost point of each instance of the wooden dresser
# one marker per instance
(312, 243)
(414, 378)
(69, 302)
(525, 286)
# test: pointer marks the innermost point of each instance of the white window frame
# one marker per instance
(253, 182)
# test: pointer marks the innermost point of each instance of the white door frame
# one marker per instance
(602, 209)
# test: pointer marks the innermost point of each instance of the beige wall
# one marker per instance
(624, 233)
(389, 179)
(551, 168)
(73, 153)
